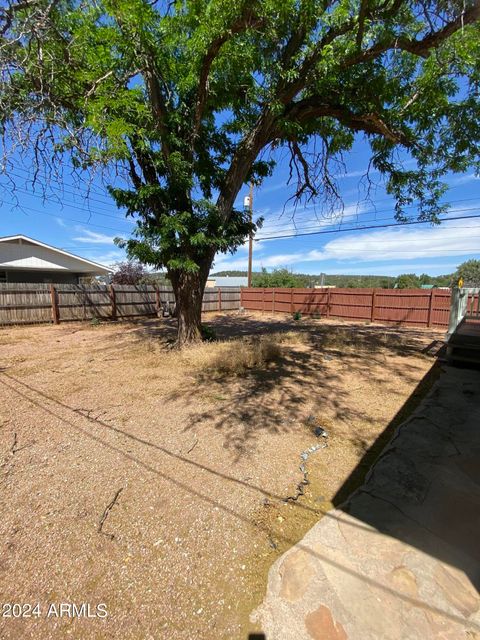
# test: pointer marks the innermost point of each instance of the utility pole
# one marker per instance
(248, 201)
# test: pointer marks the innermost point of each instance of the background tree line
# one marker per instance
(469, 271)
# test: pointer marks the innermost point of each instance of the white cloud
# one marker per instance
(468, 177)
(393, 246)
(237, 262)
(406, 243)
(275, 187)
(108, 259)
(92, 237)
(355, 174)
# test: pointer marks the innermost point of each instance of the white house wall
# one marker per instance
(14, 255)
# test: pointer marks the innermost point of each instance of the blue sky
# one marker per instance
(87, 227)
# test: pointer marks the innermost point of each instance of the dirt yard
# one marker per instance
(156, 482)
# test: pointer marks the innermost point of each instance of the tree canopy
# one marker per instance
(280, 278)
(188, 100)
(469, 271)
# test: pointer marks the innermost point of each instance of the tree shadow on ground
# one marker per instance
(309, 372)
(233, 325)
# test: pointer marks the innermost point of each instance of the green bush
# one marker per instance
(208, 334)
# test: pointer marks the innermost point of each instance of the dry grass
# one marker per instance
(360, 338)
(292, 337)
(240, 355)
(232, 356)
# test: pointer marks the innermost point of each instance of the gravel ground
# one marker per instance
(131, 477)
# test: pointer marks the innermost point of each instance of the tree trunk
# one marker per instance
(188, 289)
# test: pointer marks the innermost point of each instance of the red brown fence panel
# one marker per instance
(405, 306)
(416, 307)
(351, 303)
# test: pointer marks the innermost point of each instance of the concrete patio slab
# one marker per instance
(401, 558)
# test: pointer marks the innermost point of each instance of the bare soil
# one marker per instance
(142, 478)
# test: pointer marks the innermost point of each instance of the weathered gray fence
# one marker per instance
(37, 303)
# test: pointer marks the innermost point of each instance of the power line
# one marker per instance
(450, 188)
(360, 213)
(109, 202)
(95, 212)
(363, 228)
(49, 179)
(61, 217)
(261, 238)
(313, 228)
(70, 204)
(416, 240)
(62, 185)
(354, 252)
(284, 225)
(62, 189)
(339, 256)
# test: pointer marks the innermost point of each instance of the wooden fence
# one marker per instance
(416, 307)
(38, 303)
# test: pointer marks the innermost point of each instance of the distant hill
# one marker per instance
(230, 273)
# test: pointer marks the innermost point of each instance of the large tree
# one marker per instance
(187, 98)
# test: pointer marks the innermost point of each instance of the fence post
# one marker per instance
(328, 303)
(374, 297)
(157, 299)
(113, 300)
(430, 308)
(458, 308)
(219, 298)
(292, 306)
(273, 300)
(55, 311)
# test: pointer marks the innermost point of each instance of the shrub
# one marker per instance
(208, 333)
(129, 273)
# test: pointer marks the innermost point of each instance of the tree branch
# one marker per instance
(361, 23)
(311, 108)
(137, 182)
(158, 105)
(7, 15)
(421, 47)
(144, 162)
(242, 23)
(287, 91)
(306, 183)
(247, 150)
